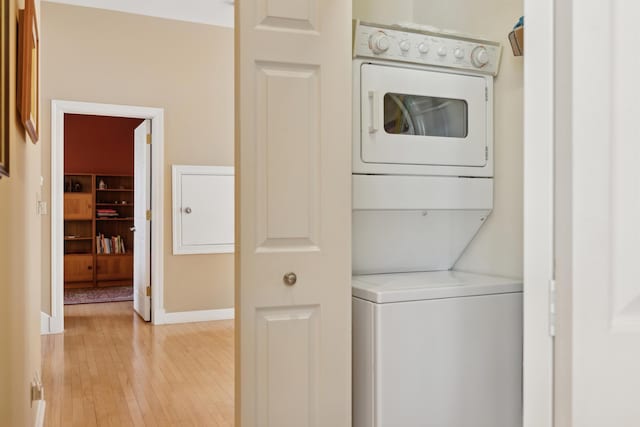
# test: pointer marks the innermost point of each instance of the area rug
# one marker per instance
(96, 295)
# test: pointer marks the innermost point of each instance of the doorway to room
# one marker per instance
(101, 209)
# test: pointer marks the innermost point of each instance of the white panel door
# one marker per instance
(142, 227)
(598, 272)
(293, 174)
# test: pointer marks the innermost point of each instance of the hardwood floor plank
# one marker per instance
(110, 368)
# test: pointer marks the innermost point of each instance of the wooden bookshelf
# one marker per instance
(84, 195)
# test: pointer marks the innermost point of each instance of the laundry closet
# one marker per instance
(98, 208)
(437, 214)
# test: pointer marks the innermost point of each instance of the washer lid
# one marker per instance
(401, 287)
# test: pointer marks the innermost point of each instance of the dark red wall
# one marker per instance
(98, 144)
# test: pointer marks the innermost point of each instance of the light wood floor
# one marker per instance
(110, 368)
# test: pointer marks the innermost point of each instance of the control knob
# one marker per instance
(378, 42)
(458, 53)
(442, 51)
(479, 57)
(405, 45)
(423, 48)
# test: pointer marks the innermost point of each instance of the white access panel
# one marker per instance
(438, 363)
(203, 209)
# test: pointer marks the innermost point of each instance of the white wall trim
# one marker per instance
(40, 410)
(58, 109)
(538, 212)
(198, 316)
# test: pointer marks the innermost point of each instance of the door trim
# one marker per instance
(58, 109)
(539, 105)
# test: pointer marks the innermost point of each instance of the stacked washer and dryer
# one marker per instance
(432, 346)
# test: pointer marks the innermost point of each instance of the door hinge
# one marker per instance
(486, 94)
(486, 153)
(148, 214)
(148, 139)
(552, 307)
(148, 291)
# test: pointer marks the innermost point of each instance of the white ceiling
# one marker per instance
(212, 12)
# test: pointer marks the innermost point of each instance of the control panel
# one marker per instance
(426, 48)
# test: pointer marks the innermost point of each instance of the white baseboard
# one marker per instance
(39, 421)
(44, 323)
(193, 316)
(49, 325)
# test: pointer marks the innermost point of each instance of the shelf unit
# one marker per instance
(84, 195)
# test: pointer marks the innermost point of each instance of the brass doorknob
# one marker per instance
(290, 279)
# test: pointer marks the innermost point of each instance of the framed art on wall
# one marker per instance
(28, 70)
(4, 88)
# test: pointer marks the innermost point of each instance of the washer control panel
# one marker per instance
(426, 48)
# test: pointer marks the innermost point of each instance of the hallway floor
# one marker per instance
(110, 368)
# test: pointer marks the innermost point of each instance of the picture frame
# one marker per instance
(28, 97)
(4, 87)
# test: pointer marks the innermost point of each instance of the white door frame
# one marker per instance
(539, 106)
(58, 109)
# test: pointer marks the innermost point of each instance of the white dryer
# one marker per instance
(432, 347)
(423, 102)
(422, 146)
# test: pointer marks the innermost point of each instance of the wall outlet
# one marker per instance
(37, 390)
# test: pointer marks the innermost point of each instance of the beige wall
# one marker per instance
(110, 57)
(498, 247)
(19, 268)
(383, 11)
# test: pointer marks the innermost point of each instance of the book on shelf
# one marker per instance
(106, 213)
(110, 245)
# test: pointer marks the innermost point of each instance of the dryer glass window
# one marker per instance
(425, 115)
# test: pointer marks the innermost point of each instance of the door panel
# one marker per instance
(450, 109)
(597, 211)
(287, 156)
(293, 213)
(142, 225)
(296, 330)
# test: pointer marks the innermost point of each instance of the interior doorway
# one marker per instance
(102, 214)
(100, 244)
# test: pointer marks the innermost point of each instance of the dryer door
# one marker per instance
(411, 116)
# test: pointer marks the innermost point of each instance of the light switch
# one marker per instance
(41, 207)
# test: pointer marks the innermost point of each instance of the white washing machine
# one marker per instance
(437, 349)
(432, 347)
